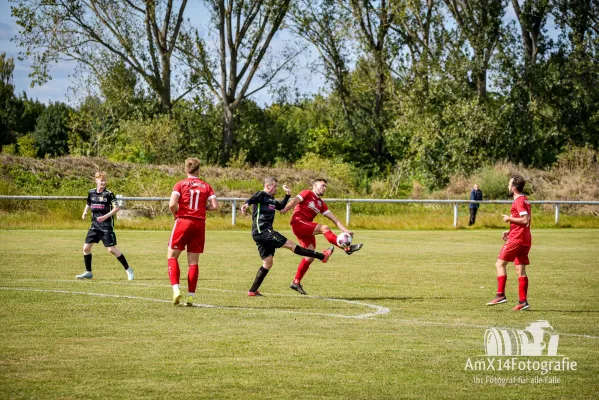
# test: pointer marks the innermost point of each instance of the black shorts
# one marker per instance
(107, 237)
(268, 242)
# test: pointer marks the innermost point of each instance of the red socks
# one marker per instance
(173, 271)
(331, 237)
(523, 287)
(501, 284)
(192, 278)
(301, 270)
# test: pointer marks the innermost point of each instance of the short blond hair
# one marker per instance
(192, 165)
(100, 174)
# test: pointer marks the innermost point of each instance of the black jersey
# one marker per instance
(263, 214)
(101, 204)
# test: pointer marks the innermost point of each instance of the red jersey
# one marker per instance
(310, 206)
(520, 234)
(193, 196)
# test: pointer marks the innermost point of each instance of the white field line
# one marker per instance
(378, 309)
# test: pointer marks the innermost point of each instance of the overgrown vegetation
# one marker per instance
(414, 91)
(574, 177)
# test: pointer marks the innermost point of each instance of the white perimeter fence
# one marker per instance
(123, 199)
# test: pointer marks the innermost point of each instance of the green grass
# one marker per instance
(70, 344)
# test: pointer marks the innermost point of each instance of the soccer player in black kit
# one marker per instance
(102, 203)
(266, 238)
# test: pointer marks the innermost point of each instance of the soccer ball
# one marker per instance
(344, 239)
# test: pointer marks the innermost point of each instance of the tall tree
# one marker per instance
(373, 20)
(245, 30)
(480, 21)
(8, 102)
(326, 27)
(532, 17)
(51, 132)
(141, 33)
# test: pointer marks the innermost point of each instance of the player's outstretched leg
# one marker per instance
(351, 249)
(332, 239)
(302, 251)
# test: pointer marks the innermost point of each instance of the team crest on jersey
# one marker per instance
(313, 207)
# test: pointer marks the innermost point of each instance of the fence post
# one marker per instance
(556, 214)
(234, 212)
(455, 215)
(121, 203)
(347, 213)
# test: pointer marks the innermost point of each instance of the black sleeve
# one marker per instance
(112, 199)
(256, 198)
(283, 203)
(89, 200)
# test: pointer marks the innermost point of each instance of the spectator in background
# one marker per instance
(475, 194)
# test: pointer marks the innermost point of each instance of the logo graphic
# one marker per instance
(312, 206)
(537, 339)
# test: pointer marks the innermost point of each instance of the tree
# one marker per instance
(374, 20)
(97, 116)
(245, 31)
(141, 33)
(480, 21)
(51, 133)
(8, 102)
(325, 25)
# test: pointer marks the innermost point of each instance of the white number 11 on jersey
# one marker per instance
(192, 205)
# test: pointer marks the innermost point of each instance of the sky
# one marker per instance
(57, 89)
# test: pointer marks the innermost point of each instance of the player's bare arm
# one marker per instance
(108, 215)
(523, 220)
(85, 211)
(295, 201)
(338, 223)
(173, 203)
(212, 204)
(504, 235)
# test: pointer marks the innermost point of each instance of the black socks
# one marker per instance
(123, 261)
(302, 251)
(259, 279)
(87, 258)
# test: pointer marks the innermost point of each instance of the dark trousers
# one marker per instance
(472, 216)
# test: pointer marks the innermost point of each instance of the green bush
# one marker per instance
(493, 183)
(26, 145)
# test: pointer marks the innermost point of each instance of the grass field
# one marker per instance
(399, 319)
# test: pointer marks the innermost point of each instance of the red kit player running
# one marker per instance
(308, 204)
(188, 204)
(517, 246)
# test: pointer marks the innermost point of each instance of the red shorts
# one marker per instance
(304, 232)
(514, 252)
(190, 232)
